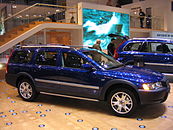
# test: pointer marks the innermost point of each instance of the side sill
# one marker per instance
(82, 98)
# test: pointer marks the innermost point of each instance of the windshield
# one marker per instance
(103, 59)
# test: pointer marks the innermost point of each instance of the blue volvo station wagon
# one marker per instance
(86, 74)
(152, 53)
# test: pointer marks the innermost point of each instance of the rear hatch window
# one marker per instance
(21, 57)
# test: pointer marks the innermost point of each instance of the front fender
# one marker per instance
(115, 82)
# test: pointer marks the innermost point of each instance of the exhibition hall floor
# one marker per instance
(57, 113)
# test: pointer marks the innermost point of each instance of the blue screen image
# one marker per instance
(98, 24)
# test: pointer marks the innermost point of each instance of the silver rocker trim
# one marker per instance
(68, 84)
(88, 99)
(158, 64)
(167, 74)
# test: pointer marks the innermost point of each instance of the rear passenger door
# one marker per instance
(45, 70)
(160, 57)
(131, 52)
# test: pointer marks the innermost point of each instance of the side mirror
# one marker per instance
(88, 67)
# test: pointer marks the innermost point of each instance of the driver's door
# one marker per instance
(75, 80)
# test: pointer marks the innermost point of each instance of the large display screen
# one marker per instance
(99, 24)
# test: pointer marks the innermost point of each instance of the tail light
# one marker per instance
(116, 50)
(116, 54)
(6, 71)
(8, 61)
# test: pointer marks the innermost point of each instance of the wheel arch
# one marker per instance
(114, 84)
(24, 75)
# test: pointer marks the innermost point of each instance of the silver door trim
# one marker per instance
(158, 64)
(68, 84)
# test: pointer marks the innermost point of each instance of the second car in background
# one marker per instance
(153, 53)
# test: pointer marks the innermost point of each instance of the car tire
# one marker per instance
(27, 90)
(122, 102)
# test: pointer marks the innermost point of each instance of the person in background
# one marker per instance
(118, 4)
(97, 45)
(109, 3)
(141, 17)
(53, 17)
(148, 21)
(111, 47)
(72, 20)
(95, 55)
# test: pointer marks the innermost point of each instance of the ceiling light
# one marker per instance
(14, 6)
(57, 10)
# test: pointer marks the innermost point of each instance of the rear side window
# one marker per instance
(161, 47)
(21, 57)
(170, 46)
(47, 58)
(133, 46)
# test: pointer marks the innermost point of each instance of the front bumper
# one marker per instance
(154, 96)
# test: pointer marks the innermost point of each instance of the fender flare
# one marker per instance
(24, 74)
(114, 82)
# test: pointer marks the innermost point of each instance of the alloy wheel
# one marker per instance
(25, 90)
(121, 102)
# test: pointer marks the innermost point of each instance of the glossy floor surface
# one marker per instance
(57, 113)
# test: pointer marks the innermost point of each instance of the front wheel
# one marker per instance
(122, 102)
(27, 90)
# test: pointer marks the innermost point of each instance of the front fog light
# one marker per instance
(151, 86)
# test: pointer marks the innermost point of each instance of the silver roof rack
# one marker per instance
(54, 46)
(151, 39)
(48, 46)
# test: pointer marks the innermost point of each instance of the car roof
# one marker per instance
(152, 39)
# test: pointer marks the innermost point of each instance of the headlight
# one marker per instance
(151, 86)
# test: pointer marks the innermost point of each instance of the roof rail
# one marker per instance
(54, 46)
(151, 39)
(44, 46)
(78, 46)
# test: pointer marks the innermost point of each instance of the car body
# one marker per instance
(152, 53)
(84, 74)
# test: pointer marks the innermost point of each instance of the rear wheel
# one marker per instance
(122, 102)
(27, 90)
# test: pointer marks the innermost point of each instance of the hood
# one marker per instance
(134, 73)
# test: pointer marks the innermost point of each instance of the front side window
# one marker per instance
(72, 60)
(21, 57)
(46, 58)
(102, 59)
(134, 46)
